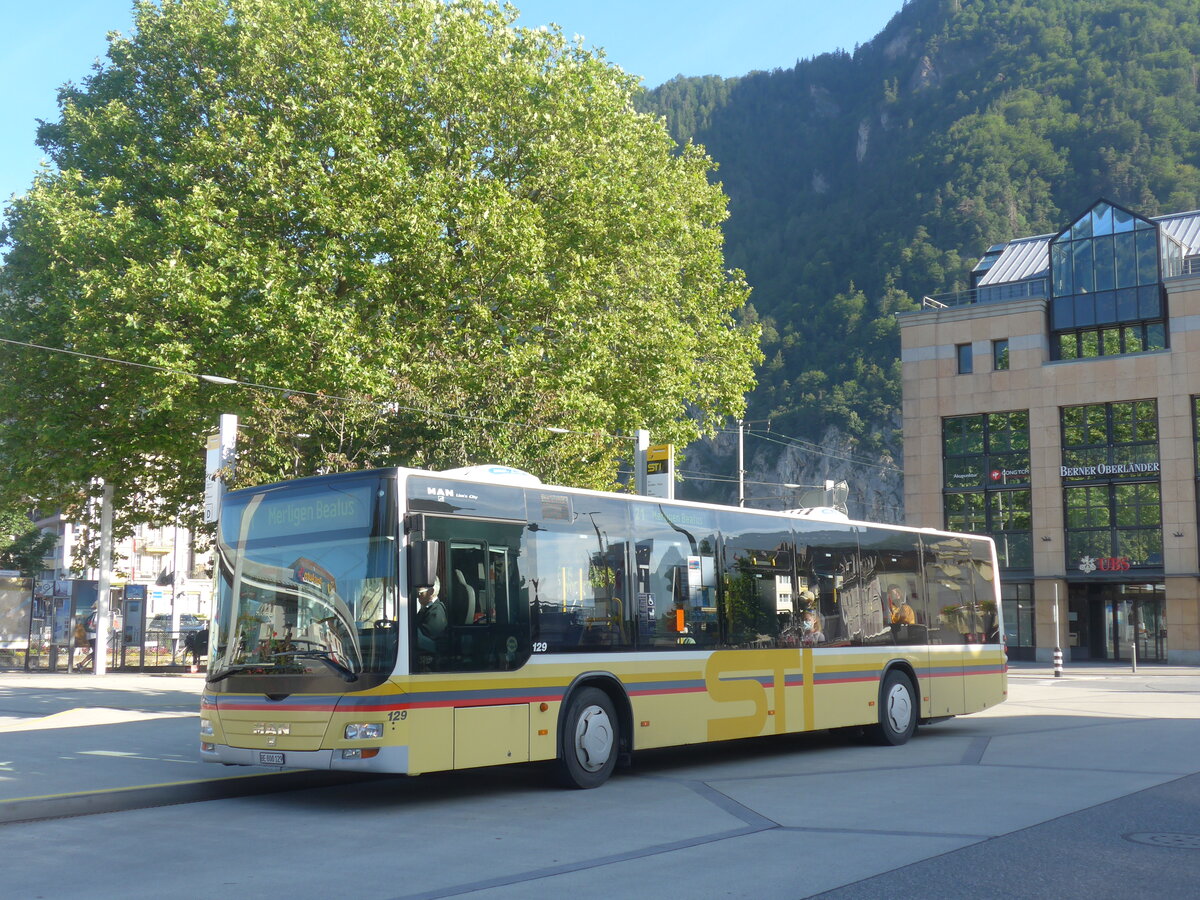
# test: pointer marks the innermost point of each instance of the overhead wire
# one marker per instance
(222, 380)
(768, 436)
(774, 437)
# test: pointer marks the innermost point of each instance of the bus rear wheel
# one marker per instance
(897, 711)
(587, 753)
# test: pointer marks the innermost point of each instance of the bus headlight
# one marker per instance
(206, 727)
(364, 732)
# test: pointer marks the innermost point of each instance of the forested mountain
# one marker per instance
(860, 182)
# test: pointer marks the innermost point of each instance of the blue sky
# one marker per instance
(48, 44)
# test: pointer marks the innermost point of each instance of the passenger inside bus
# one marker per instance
(900, 613)
(810, 627)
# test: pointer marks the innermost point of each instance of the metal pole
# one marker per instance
(174, 590)
(1058, 654)
(32, 609)
(641, 442)
(741, 466)
(1133, 643)
(104, 582)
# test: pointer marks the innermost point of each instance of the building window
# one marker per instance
(1000, 355)
(1114, 521)
(1110, 439)
(1017, 604)
(1112, 341)
(1106, 272)
(1196, 440)
(965, 362)
(985, 463)
(966, 513)
(1112, 498)
(1196, 430)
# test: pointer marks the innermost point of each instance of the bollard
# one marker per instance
(1058, 662)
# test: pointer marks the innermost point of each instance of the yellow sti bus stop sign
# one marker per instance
(660, 471)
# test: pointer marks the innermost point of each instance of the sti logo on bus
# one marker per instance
(741, 678)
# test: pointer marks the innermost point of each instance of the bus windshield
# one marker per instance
(307, 584)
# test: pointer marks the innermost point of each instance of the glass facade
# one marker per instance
(1106, 620)
(1017, 603)
(1196, 432)
(1112, 496)
(1196, 455)
(985, 465)
(1107, 296)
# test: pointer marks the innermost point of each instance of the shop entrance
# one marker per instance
(1105, 619)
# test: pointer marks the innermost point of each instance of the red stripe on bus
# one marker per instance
(827, 679)
(457, 700)
(662, 692)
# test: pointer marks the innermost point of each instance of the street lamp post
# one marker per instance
(104, 582)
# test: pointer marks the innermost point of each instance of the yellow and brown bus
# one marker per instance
(574, 626)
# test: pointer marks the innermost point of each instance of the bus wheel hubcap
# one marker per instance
(899, 708)
(593, 738)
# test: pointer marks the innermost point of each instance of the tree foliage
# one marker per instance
(23, 546)
(445, 233)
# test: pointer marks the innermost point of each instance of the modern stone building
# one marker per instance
(1056, 406)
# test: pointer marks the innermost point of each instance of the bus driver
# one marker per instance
(431, 617)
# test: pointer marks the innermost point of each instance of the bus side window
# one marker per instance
(581, 588)
(483, 572)
(467, 585)
(952, 578)
(758, 581)
(832, 597)
(892, 564)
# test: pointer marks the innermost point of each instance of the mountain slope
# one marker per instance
(860, 182)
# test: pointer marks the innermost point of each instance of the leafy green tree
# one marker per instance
(22, 546)
(447, 234)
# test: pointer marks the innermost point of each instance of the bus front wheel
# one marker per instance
(588, 750)
(897, 710)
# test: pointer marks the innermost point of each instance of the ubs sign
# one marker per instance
(1090, 564)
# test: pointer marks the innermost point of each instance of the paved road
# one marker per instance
(1088, 785)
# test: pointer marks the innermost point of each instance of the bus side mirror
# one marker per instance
(422, 563)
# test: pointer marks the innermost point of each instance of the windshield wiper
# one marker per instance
(324, 656)
(234, 669)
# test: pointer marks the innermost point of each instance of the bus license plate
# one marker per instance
(270, 758)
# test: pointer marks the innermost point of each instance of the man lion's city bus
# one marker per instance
(576, 626)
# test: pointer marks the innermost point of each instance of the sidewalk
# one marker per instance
(78, 744)
(1101, 669)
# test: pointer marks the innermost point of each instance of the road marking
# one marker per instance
(121, 754)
